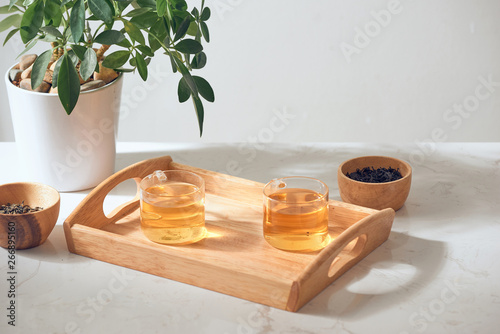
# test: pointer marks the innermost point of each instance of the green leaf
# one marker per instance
(52, 13)
(48, 38)
(74, 58)
(9, 35)
(122, 4)
(186, 75)
(88, 64)
(158, 30)
(195, 13)
(77, 20)
(169, 18)
(161, 7)
(183, 27)
(145, 50)
(102, 9)
(189, 46)
(17, 22)
(147, 3)
(56, 72)
(68, 84)
(125, 43)
(204, 30)
(142, 67)
(31, 21)
(52, 31)
(183, 91)
(125, 70)
(177, 18)
(204, 88)
(180, 5)
(28, 47)
(67, 34)
(153, 43)
(205, 15)
(145, 20)
(10, 21)
(200, 113)
(109, 37)
(137, 12)
(39, 68)
(166, 27)
(199, 60)
(116, 59)
(193, 29)
(65, 2)
(173, 63)
(8, 9)
(79, 51)
(134, 32)
(11, 3)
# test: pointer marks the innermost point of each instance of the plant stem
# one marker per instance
(96, 31)
(66, 25)
(188, 64)
(101, 51)
(65, 28)
(159, 41)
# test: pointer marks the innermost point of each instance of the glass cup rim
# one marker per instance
(181, 171)
(322, 196)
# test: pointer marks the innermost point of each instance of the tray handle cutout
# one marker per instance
(347, 254)
(353, 244)
(90, 211)
(340, 255)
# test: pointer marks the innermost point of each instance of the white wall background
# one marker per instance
(269, 58)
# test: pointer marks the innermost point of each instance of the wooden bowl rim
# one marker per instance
(51, 189)
(408, 175)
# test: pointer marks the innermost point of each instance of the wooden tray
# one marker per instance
(234, 259)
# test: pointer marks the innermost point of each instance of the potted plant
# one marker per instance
(90, 40)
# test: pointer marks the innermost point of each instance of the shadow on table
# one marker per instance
(390, 275)
(54, 249)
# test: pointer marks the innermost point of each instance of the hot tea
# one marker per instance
(296, 219)
(173, 212)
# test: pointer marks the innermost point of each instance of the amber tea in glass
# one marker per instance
(296, 214)
(173, 207)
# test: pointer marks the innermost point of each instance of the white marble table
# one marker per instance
(438, 273)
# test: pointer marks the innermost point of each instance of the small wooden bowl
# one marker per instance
(374, 195)
(30, 229)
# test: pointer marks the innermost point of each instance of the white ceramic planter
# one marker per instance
(72, 152)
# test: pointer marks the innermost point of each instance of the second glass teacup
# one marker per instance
(296, 214)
